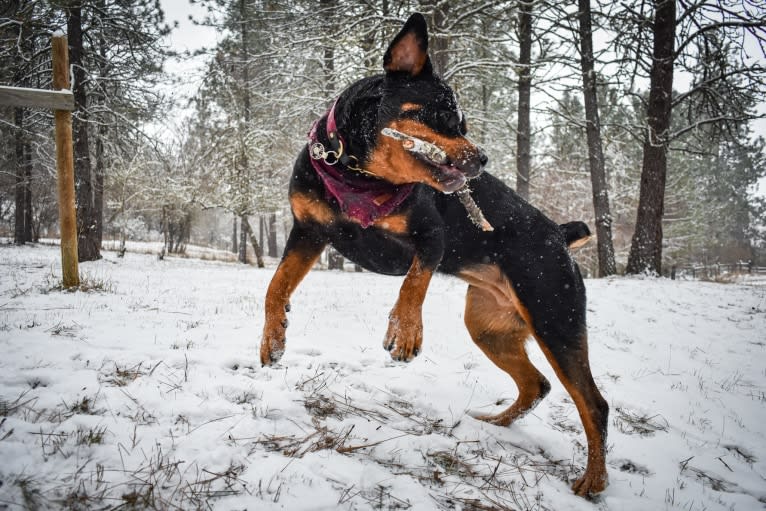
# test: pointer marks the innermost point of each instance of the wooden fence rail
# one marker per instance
(709, 271)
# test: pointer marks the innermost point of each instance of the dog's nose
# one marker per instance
(483, 159)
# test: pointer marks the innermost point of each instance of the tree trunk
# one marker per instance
(164, 232)
(256, 247)
(98, 186)
(87, 245)
(242, 239)
(234, 237)
(334, 259)
(184, 233)
(20, 195)
(28, 218)
(101, 136)
(273, 235)
(439, 44)
(245, 124)
(606, 264)
(261, 229)
(646, 245)
(524, 126)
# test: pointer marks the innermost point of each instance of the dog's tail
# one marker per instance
(576, 234)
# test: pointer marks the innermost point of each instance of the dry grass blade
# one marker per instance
(635, 423)
(8, 408)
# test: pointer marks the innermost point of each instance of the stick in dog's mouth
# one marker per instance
(435, 155)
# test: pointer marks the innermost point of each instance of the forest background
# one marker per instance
(641, 118)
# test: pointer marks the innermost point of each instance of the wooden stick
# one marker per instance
(436, 155)
(65, 167)
(474, 213)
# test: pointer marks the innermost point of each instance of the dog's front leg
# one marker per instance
(405, 323)
(301, 252)
(404, 336)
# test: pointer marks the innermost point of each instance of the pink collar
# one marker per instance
(363, 198)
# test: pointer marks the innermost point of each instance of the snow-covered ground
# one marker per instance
(145, 392)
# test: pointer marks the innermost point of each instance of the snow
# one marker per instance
(146, 392)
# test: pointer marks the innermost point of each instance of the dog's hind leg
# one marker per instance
(301, 252)
(558, 323)
(570, 361)
(501, 333)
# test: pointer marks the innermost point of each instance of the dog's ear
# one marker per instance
(576, 234)
(408, 52)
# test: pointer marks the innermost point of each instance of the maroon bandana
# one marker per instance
(361, 198)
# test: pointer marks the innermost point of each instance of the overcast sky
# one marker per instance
(190, 37)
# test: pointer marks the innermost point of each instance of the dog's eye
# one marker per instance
(452, 121)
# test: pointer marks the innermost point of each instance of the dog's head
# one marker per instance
(413, 100)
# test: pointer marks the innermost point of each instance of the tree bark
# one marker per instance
(20, 196)
(164, 232)
(272, 239)
(646, 245)
(98, 186)
(234, 238)
(256, 247)
(606, 264)
(334, 259)
(243, 239)
(245, 125)
(29, 231)
(102, 134)
(524, 126)
(261, 229)
(87, 223)
(439, 45)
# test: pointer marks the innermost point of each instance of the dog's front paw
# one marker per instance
(272, 350)
(403, 339)
(274, 339)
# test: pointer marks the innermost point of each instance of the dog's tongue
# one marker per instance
(450, 178)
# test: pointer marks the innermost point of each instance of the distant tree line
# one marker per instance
(647, 135)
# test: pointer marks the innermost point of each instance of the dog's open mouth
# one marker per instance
(449, 177)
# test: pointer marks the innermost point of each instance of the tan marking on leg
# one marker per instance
(591, 406)
(293, 267)
(500, 332)
(490, 278)
(393, 223)
(404, 336)
(308, 208)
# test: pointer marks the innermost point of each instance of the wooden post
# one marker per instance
(65, 166)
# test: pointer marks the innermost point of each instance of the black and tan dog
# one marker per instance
(391, 212)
